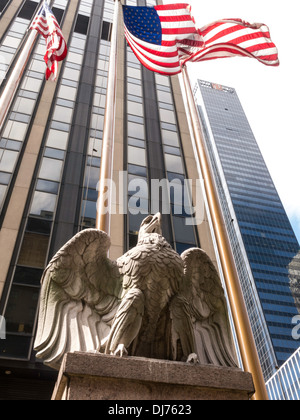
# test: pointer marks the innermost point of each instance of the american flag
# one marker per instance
(46, 24)
(234, 37)
(162, 36)
(165, 37)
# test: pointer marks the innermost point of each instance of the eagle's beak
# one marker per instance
(157, 218)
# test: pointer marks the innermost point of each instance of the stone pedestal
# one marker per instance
(86, 376)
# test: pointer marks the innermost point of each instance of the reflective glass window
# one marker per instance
(15, 130)
(21, 309)
(136, 130)
(8, 160)
(57, 139)
(134, 89)
(170, 138)
(136, 155)
(43, 204)
(51, 169)
(174, 163)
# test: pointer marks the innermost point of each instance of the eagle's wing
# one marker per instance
(80, 294)
(203, 289)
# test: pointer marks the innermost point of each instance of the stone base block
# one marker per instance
(86, 376)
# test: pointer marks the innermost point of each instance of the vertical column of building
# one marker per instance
(28, 221)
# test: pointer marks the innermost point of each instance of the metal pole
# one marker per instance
(10, 89)
(242, 325)
(104, 187)
(9, 92)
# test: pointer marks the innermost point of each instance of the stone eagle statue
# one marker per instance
(151, 302)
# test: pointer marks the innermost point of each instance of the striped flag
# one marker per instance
(234, 37)
(165, 37)
(162, 36)
(46, 24)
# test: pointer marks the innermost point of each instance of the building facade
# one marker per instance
(50, 157)
(265, 247)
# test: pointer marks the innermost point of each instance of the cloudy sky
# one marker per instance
(269, 95)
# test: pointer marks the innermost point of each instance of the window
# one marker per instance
(183, 233)
(28, 10)
(106, 31)
(134, 73)
(11, 42)
(15, 130)
(28, 276)
(38, 225)
(67, 92)
(31, 84)
(34, 250)
(47, 186)
(58, 13)
(8, 160)
(136, 130)
(57, 139)
(164, 97)
(3, 4)
(24, 105)
(135, 108)
(82, 24)
(136, 155)
(63, 114)
(4, 178)
(167, 116)
(91, 177)
(170, 138)
(2, 194)
(51, 169)
(43, 205)
(135, 90)
(174, 163)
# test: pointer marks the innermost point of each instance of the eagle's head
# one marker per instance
(152, 224)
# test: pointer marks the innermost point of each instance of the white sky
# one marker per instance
(269, 95)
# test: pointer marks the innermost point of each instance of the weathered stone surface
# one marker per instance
(102, 377)
(151, 302)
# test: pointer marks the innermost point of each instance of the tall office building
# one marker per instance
(265, 248)
(50, 154)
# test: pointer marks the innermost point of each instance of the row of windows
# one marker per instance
(21, 305)
(15, 130)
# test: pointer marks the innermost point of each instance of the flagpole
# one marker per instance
(104, 188)
(11, 87)
(241, 321)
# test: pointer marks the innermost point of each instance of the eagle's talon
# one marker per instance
(193, 359)
(121, 351)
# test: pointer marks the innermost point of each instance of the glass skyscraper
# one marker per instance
(264, 245)
(50, 155)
